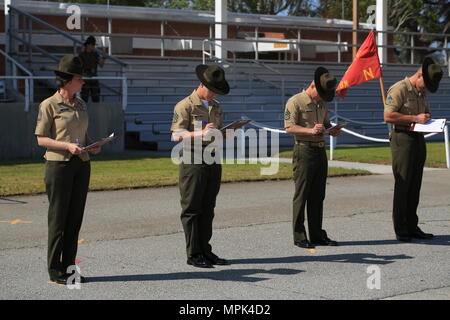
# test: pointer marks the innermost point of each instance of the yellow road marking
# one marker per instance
(15, 221)
(52, 282)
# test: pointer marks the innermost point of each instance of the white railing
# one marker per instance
(364, 137)
(29, 88)
(29, 82)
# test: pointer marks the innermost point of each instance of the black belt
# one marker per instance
(320, 144)
(397, 128)
(405, 130)
(402, 130)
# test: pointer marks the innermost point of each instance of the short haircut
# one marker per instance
(61, 81)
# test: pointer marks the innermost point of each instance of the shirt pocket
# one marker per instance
(63, 117)
(411, 106)
(307, 115)
(216, 117)
(199, 117)
(198, 120)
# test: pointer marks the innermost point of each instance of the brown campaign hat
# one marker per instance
(213, 77)
(69, 66)
(432, 74)
(325, 84)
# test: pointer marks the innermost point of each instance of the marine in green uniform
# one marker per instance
(91, 59)
(199, 182)
(406, 104)
(306, 117)
(62, 128)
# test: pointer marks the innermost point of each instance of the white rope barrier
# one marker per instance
(363, 136)
(261, 126)
(358, 135)
(358, 122)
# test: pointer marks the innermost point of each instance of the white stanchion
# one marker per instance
(447, 147)
(332, 148)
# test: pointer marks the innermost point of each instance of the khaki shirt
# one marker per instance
(402, 97)
(63, 121)
(191, 109)
(301, 110)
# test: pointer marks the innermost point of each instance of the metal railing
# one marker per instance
(298, 39)
(291, 28)
(29, 87)
(253, 75)
(282, 80)
(28, 42)
(28, 99)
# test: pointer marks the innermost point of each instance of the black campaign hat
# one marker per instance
(90, 40)
(432, 74)
(68, 66)
(213, 77)
(325, 84)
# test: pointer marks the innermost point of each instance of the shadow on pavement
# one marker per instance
(243, 275)
(11, 201)
(441, 240)
(362, 258)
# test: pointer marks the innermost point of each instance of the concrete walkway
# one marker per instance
(373, 168)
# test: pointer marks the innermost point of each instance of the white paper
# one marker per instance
(235, 125)
(100, 142)
(433, 125)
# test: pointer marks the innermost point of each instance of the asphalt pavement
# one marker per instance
(132, 245)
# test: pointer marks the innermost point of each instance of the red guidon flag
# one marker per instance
(365, 67)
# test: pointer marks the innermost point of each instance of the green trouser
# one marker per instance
(310, 166)
(199, 185)
(67, 185)
(408, 159)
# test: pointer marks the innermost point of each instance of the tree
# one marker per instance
(273, 7)
(131, 3)
(429, 16)
(343, 9)
(425, 16)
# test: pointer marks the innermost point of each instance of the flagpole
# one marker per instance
(383, 95)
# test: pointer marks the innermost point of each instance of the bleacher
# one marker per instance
(158, 85)
(155, 85)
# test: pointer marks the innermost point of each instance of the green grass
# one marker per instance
(128, 172)
(382, 154)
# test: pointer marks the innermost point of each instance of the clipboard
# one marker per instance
(235, 125)
(432, 125)
(338, 126)
(100, 143)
